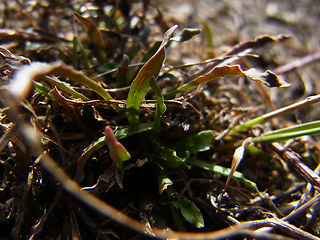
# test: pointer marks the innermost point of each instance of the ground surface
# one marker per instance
(161, 186)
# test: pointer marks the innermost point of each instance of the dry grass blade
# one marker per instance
(268, 78)
(294, 159)
(237, 157)
(312, 58)
(22, 82)
(238, 51)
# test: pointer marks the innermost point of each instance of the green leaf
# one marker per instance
(38, 87)
(224, 172)
(161, 107)
(141, 83)
(177, 154)
(300, 130)
(187, 208)
(117, 151)
(200, 142)
(63, 86)
(170, 156)
(186, 34)
(151, 51)
(94, 33)
(276, 113)
(126, 132)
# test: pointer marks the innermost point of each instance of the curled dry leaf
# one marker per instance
(22, 81)
(268, 78)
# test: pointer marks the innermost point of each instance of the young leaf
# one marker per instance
(186, 34)
(200, 142)
(224, 172)
(187, 208)
(269, 78)
(126, 132)
(170, 156)
(117, 151)
(141, 83)
(93, 32)
(161, 107)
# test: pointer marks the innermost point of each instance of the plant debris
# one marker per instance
(157, 119)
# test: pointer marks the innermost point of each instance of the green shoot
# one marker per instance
(277, 113)
(310, 128)
(141, 83)
(117, 151)
(161, 107)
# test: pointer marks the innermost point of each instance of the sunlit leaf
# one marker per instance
(141, 83)
(277, 113)
(269, 78)
(223, 171)
(126, 132)
(310, 128)
(169, 155)
(38, 87)
(187, 208)
(237, 157)
(65, 87)
(93, 32)
(200, 142)
(186, 34)
(117, 151)
(160, 107)
(163, 180)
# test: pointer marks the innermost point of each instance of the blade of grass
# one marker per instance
(186, 34)
(38, 87)
(64, 87)
(141, 83)
(126, 132)
(77, 46)
(224, 172)
(187, 208)
(236, 52)
(202, 141)
(94, 33)
(23, 79)
(77, 76)
(310, 128)
(279, 112)
(160, 108)
(169, 156)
